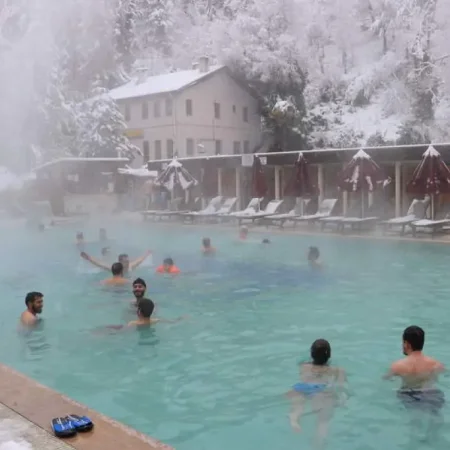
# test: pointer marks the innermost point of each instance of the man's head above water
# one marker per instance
(124, 259)
(117, 269)
(313, 254)
(34, 302)
(139, 288)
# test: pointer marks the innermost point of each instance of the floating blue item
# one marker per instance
(309, 388)
(63, 427)
(81, 423)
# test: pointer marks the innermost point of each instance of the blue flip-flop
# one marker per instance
(80, 423)
(63, 428)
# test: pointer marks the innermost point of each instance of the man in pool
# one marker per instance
(139, 288)
(79, 240)
(207, 248)
(320, 384)
(35, 303)
(128, 265)
(314, 258)
(145, 308)
(168, 266)
(243, 233)
(419, 374)
(117, 278)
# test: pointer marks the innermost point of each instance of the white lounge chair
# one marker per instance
(172, 210)
(417, 211)
(271, 209)
(280, 219)
(210, 208)
(433, 226)
(252, 207)
(324, 210)
(226, 207)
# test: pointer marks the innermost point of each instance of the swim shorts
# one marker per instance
(430, 400)
(309, 388)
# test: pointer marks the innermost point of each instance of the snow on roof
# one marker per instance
(160, 84)
(175, 163)
(81, 159)
(139, 172)
(431, 152)
(361, 155)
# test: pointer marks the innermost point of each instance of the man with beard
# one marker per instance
(139, 288)
(35, 303)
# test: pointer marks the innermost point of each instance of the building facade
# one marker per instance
(200, 112)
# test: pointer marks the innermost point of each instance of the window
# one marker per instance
(218, 147)
(145, 110)
(127, 113)
(189, 107)
(246, 147)
(189, 147)
(157, 109)
(236, 147)
(169, 148)
(245, 114)
(168, 107)
(146, 151)
(234, 109)
(158, 150)
(217, 110)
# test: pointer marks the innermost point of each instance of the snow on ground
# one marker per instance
(362, 122)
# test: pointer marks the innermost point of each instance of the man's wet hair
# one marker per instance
(105, 251)
(31, 297)
(415, 337)
(122, 256)
(266, 241)
(206, 242)
(313, 253)
(117, 268)
(320, 352)
(145, 307)
(80, 235)
(139, 281)
(168, 262)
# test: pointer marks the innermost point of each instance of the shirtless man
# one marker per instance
(139, 288)
(128, 265)
(34, 302)
(418, 374)
(314, 258)
(207, 248)
(117, 278)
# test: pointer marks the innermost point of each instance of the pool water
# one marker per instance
(216, 380)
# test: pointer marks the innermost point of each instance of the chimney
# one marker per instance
(204, 64)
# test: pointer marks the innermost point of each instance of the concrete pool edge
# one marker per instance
(39, 404)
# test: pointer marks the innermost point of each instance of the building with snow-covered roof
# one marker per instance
(200, 112)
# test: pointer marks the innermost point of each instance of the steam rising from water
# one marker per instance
(10, 432)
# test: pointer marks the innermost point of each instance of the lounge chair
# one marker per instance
(172, 210)
(280, 219)
(271, 209)
(324, 210)
(441, 224)
(210, 208)
(252, 207)
(226, 208)
(417, 211)
(337, 220)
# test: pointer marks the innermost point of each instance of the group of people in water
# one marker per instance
(321, 384)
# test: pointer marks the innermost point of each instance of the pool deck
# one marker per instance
(29, 407)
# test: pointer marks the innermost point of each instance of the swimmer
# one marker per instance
(320, 383)
(117, 278)
(207, 248)
(243, 233)
(35, 303)
(139, 288)
(314, 258)
(418, 374)
(168, 266)
(105, 252)
(265, 241)
(80, 238)
(102, 236)
(128, 265)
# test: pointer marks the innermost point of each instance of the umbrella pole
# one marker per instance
(432, 206)
(301, 206)
(362, 203)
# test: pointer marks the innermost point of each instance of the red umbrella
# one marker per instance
(258, 178)
(432, 176)
(361, 174)
(301, 184)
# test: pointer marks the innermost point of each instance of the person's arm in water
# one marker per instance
(93, 261)
(139, 261)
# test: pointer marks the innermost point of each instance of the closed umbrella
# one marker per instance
(361, 174)
(431, 177)
(259, 183)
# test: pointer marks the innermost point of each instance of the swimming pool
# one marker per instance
(217, 380)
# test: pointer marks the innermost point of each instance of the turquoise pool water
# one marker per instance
(217, 380)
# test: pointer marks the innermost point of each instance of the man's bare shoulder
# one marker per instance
(27, 318)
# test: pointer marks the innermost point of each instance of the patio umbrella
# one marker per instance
(361, 174)
(175, 175)
(432, 176)
(258, 178)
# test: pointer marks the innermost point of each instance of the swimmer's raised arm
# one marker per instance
(140, 260)
(95, 262)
